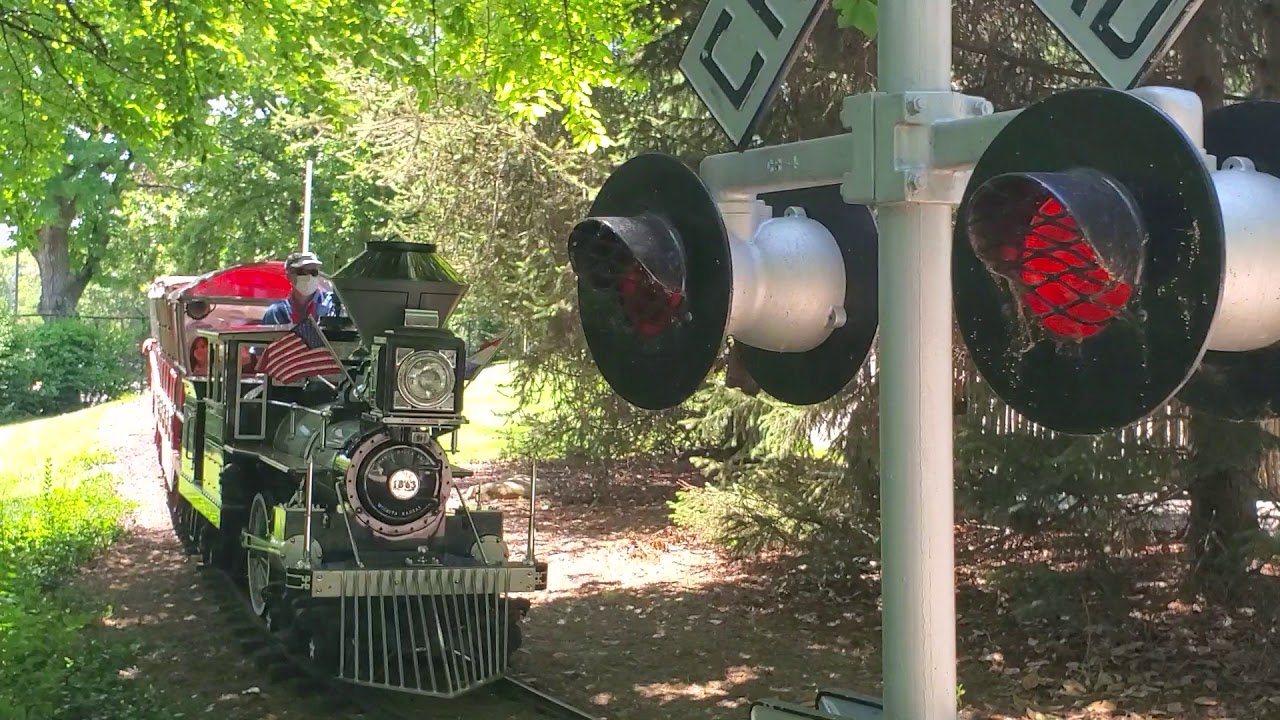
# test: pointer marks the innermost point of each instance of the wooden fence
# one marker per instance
(1167, 428)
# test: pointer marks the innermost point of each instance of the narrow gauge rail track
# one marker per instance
(507, 698)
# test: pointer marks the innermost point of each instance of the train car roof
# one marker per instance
(166, 284)
(253, 283)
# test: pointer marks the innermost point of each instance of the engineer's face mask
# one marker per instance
(306, 285)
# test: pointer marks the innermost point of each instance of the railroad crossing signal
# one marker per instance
(664, 275)
(1099, 275)
(1121, 39)
(739, 54)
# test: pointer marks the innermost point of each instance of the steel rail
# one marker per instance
(543, 700)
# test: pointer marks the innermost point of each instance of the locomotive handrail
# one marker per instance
(326, 413)
(342, 510)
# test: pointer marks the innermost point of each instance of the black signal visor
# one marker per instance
(638, 261)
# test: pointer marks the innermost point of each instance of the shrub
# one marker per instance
(52, 666)
(50, 368)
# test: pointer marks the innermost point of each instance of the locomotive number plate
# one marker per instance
(419, 437)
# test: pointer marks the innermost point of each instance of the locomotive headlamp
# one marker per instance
(425, 379)
(417, 372)
(1115, 250)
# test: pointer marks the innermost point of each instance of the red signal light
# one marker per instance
(1068, 290)
(649, 307)
(1069, 244)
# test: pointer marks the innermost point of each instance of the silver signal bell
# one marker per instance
(1108, 257)
(665, 274)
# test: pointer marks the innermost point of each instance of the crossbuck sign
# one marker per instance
(1121, 39)
(738, 56)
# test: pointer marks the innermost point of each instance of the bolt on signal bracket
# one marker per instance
(922, 145)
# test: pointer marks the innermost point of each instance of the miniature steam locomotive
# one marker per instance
(328, 498)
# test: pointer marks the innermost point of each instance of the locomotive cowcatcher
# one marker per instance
(327, 497)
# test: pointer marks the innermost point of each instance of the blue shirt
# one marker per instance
(281, 311)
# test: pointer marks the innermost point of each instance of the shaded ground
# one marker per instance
(640, 621)
(639, 616)
(158, 601)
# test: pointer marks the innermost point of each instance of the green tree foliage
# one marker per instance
(244, 200)
(146, 78)
(858, 14)
(499, 200)
(47, 369)
(146, 72)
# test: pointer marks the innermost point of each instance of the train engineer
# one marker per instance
(303, 269)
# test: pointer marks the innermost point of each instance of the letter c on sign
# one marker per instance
(738, 94)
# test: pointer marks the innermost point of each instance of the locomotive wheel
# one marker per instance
(258, 563)
(184, 526)
(194, 521)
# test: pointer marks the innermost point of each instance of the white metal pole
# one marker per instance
(916, 452)
(306, 212)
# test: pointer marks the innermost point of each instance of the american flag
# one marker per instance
(301, 353)
(484, 354)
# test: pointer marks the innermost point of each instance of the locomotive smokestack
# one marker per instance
(392, 276)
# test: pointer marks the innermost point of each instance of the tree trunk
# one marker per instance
(60, 285)
(1267, 79)
(1202, 57)
(1226, 456)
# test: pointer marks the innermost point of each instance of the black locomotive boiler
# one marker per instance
(328, 497)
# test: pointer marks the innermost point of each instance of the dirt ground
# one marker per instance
(640, 621)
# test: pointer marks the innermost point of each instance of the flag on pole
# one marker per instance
(301, 353)
(485, 353)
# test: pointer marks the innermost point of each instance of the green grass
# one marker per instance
(488, 403)
(57, 444)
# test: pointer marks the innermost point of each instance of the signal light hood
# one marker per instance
(391, 276)
(652, 261)
(1071, 243)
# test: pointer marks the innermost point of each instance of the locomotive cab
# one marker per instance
(329, 493)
